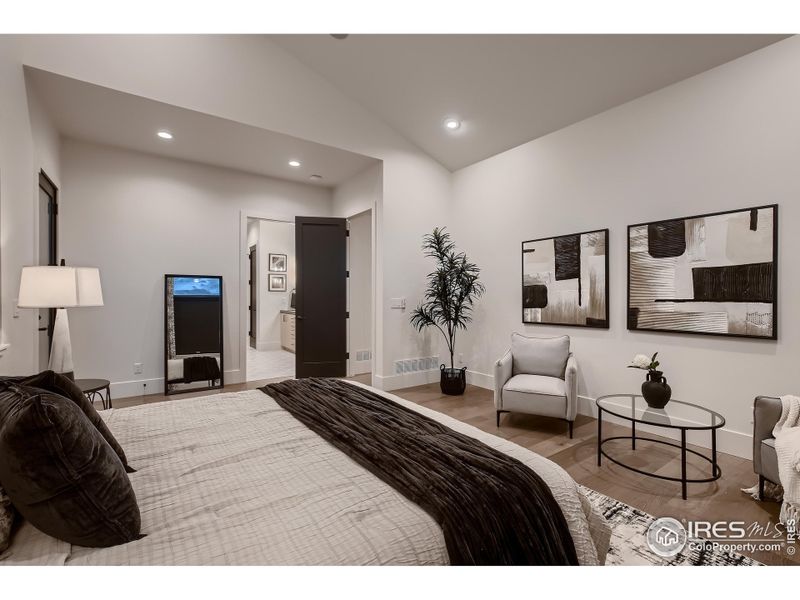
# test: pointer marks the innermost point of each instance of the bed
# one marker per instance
(234, 479)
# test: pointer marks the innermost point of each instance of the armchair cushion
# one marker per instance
(536, 394)
(540, 356)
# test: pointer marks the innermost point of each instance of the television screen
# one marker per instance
(196, 286)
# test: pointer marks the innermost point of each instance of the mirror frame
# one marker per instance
(167, 391)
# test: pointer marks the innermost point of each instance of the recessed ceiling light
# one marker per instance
(164, 134)
(294, 163)
(452, 123)
(340, 36)
(315, 177)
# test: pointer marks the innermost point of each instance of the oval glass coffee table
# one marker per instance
(676, 415)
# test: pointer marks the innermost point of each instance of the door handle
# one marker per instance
(300, 317)
(42, 328)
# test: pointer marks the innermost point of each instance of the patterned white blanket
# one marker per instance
(233, 479)
(787, 448)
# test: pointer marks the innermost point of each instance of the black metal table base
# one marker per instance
(105, 399)
(716, 471)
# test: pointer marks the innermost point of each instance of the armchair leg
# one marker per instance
(500, 412)
(761, 481)
(571, 423)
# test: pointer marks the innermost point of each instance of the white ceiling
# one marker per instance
(89, 112)
(508, 89)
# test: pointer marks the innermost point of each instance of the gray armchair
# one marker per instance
(537, 376)
(766, 413)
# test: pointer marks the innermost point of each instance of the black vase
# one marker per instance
(655, 390)
(453, 381)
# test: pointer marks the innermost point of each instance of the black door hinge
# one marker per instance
(347, 355)
(347, 315)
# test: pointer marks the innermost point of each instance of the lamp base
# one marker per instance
(61, 350)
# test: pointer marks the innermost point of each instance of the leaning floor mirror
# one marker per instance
(193, 333)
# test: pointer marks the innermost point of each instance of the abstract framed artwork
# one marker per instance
(713, 274)
(565, 280)
(277, 263)
(277, 283)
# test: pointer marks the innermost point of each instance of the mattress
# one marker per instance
(233, 479)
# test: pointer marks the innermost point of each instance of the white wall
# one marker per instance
(359, 193)
(360, 291)
(230, 77)
(274, 238)
(725, 139)
(138, 217)
(28, 143)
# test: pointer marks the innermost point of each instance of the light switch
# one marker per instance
(398, 303)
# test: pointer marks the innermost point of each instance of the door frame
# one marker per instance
(244, 273)
(252, 299)
(49, 187)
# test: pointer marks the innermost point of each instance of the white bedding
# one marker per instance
(233, 479)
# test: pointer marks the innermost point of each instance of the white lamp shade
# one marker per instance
(59, 287)
(89, 291)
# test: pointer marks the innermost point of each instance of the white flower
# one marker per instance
(640, 361)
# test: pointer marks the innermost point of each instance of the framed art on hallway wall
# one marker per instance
(277, 263)
(277, 283)
(713, 274)
(565, 280)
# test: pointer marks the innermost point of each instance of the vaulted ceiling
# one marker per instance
(506, 89)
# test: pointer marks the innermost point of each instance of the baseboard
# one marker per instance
(481, 380)
(137, 387)
(388, 383)
(265, 346)
(358, 367)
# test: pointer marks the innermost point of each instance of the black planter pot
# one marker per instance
(453, 381)
(655, 390)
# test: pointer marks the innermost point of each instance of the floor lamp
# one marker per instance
(60, 288)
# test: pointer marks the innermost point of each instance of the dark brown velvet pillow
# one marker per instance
(60, 472)
(54, 382)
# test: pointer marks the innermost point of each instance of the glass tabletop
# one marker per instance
(676, 414)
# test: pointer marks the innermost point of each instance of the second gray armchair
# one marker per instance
(537, 376)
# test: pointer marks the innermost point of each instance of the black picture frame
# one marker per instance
(606, 322)
(773, 336)
(285, 268)
(273, 278)
(167, 390)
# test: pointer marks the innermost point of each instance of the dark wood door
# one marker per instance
(253, 296)
(321, 299)
(48, 255)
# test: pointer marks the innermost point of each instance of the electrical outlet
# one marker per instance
(138, 368)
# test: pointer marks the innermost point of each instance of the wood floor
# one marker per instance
(721, 500)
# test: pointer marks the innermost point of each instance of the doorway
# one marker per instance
(360, 295)
(270, 311)
(48, 256)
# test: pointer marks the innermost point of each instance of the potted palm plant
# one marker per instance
(449, 299)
